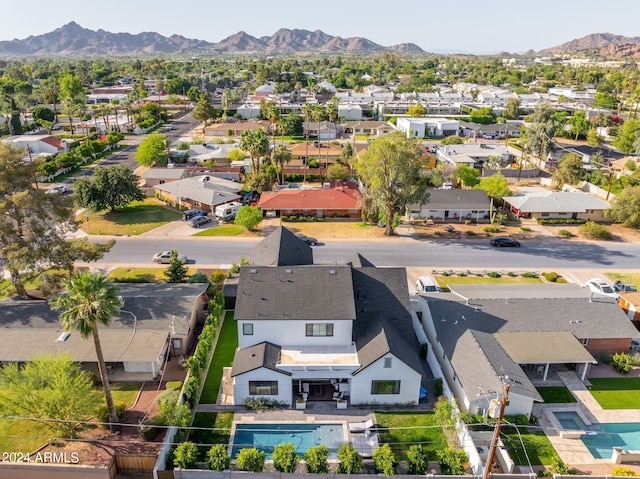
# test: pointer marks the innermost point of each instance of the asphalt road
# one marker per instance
(536, 256)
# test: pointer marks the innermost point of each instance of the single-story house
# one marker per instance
(35, 146)
(558, 204)
(480, 333)
(427, 127)
(368, 128)
(454, 205)
(219, 154)
(586, 153)
(325, 333)
(159, 176)
(155, 320)
(619, 166)
(343, 201)
(326, 130)
(498, 131)
(235, 128)
(204, 192)
(473, 154)
(321, 151)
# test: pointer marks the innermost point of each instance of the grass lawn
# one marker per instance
(222, 357)
(221, 420)
(556, 395)
(402, 432)
(22, 436)
(125, 392)
(633, 278)
(616, 393)
(137, 218)
(140, 275)
(227, 230)
(538, 447)
(444, 280)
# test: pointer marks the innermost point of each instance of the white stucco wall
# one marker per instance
(241, 385)
(409, 383)
(293, 333)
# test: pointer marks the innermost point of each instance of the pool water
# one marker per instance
(265, 437)
(570, 420)
(609, 435)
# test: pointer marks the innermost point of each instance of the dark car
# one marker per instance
(197, 221)
(504, 241)
(621, 287)
(309, 241)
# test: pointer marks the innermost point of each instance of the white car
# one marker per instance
(165, 257)
(58, 189)
(600, 286)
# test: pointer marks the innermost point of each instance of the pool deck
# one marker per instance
(573, 451)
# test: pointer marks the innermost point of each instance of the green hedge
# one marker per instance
(560, 221)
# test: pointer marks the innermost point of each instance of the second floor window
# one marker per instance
(319, 329)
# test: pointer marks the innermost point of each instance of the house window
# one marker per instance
(196, 203)
(585, 342)
(177, 344)
(263, 388)
(385, 387)
(319, 329)
(247, 329)
(387, 362)
(544, 214)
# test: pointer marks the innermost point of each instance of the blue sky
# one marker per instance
(475, 26)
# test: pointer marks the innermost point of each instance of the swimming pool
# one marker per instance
(609, 435)
(570, 420)
(265, 437)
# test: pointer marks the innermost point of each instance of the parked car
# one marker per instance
(165, 257)
(197, 221)
(621, 287)
(58, 189)
(188, 214)
(600, 286)
(308, 240)
(504, 241)
(425, 284)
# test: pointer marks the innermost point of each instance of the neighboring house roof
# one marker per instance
(340, 198)
(209, 152)
(238, 126)
(457, 199)
(164, 173)
(492, 128)
(215, 191)
(281, 248)
(320, 151)
(557, 202)
(263, 355)
(359, 261)
(295, 293)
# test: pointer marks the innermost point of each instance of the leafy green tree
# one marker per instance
(204, 111)
(72, 95)
(177, 86)
(90, 301)
(593, 139)
(595, 231)
(151, 151)
(350, 460)
(170, 412)
(483, 116)
(452, 462)
(186, 455)
(249, 217)
(177, 271)
(627, 136)
(217, 458)
(417, 110)
(316, 460)
(250, 459)
(625, 208)
(256, 143)
(42, 113)
(385, 460)
(512, 108)
(264, 179)
(495, 186)
(579, 124)
(236, 155)
(112, 187)
(469, 176)
(53, 390)
(452, 140)
(570, 170)
(391, 172)
(338, 171)
(29, 246)
(113, 138)
(418, 459)
(285, 458)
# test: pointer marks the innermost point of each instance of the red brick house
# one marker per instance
(343, 200)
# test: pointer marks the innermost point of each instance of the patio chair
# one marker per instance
(360, 427)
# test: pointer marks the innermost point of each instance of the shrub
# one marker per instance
(385, 460)
(424, 349)
(217, 458)
(316, 460)
(462, 274)
(493, 274)
(552, 276)
(103, 413)
(261, 404)
(561, 280)
(511, 274)
(558, 466)
(418, 459)
(529, 274)
(621, 362)
(491, 229)
(147, 432)
(566, 233)
(470, 233)
(452, 462)
(250, 459)
(622, 471)
(595, 231)
(198, 278)
(437, 387)
(285, 458)
(350, 460)
(560, 221)
(186, 456)
(173, 385)
(526, 229)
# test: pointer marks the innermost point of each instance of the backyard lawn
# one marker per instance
(137, 218)
(556, 395)
(222, 357)
(211, 420)
(539, 451)
(401, 430)
(125, 392)
(616, 393)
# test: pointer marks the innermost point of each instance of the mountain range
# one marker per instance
(601, 44)
(72, 39)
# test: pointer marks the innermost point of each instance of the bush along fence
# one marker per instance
(192, 386)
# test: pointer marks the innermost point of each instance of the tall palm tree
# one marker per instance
(332, 111)
(281, 156)
(256, 143)
(91, 300)
(319, 112)
(307, 110)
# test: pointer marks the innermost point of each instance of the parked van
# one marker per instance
(188, 214)
(227, 212)
(426, 285)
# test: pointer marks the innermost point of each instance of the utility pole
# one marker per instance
(496, 433)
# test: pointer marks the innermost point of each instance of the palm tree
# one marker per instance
(256, 143)
(332, 111)
(307, 110)
(281, 156)
(90, 300)
(318, 115)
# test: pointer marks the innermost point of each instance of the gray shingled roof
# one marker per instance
(263, 355)
(514, 291)
(457, 199)
(359, 261)
(295, 292)
(216, 191)
(164, 173)
(557, 202)
(281, 248)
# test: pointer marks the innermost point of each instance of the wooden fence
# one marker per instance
(136, 462)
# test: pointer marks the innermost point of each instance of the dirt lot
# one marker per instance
(621, 234)
(462, 231)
